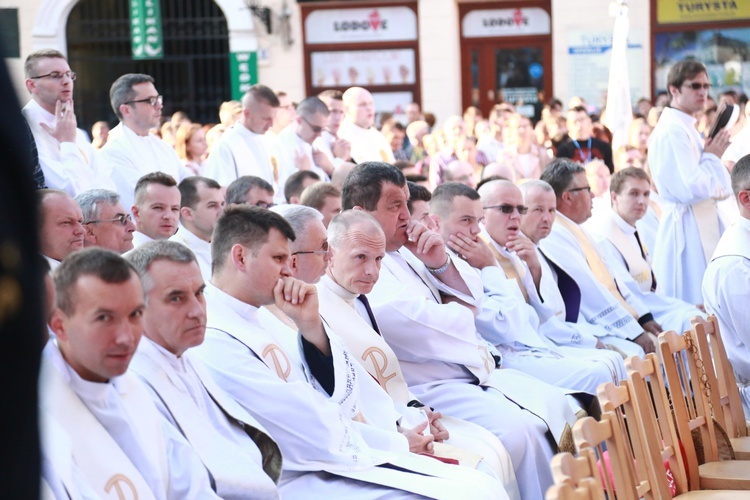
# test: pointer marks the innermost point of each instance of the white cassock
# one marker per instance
(120, 442)
(509, 318)
(72, 167)
(129, 157)
(491, 147)
(726, 288)
(53, 263)
(324, 144)
(631, 263)
(139, 239)
(341, 310)
(584, 290)
(201, 249)
(289, 145)
(61, 477)
(648, 225)
(242, 152)
(739, 147)
(368, 144)
(689, 183)
(325, 453)
(243, 460)
(449, 366)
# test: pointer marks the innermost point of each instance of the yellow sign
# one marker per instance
(701, 11)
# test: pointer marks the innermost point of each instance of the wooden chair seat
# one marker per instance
(726, 475)
(741, 446)
(713, 495)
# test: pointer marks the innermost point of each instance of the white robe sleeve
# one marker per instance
(221, 164)
(188, 477)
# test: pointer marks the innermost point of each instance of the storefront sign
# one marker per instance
(363, 67)
(381, 24)
(589, 56)
(505, 22)
(145, 29)
(697, 11)
(243, 72)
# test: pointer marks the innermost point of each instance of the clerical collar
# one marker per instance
(246, 311)
(93, 392)
(177, 363)
(46, 116)
(622, 223)
(339, 290)
(680, 115)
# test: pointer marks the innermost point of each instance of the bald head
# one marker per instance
(460, 171)
(503, 207)
(500, 170)
(359, 107)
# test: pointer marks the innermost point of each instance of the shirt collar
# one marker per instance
(41, 113)
(337, 289)
(680, 115)
(244, 310)
(622, 223)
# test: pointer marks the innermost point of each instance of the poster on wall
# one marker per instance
(363, 67)
(725, 52)
(589, 56)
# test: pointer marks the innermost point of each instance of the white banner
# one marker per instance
(381, 24)
(505, 22)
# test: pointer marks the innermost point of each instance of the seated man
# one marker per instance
(118, 439)
(357, 247)
(445, 362)
(250, 190)
(570, 249)
(565, 327)
(298, 182)
(310, 256)
(726, 285)
(618, 238)
(323, 197)
(107, 223)
(157, 208)
(506, 319)
(201, 203)
(61, 229)
(243, 460)
(302, 387)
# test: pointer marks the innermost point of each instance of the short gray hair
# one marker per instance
(143, 256)
(526, 186)
(91, 202)
(299, 217)
(347, 221)
(560, 173)
(122, 90)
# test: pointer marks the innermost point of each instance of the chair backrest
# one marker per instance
(725, 395)
(655, 422)
(688, 398)
(576, 478)
(596, 437)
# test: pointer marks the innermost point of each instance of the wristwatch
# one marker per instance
(443, 268)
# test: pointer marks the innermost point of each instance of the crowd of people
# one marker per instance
(296, 303)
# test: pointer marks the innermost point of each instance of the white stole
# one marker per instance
(234, 476)
(117, 475)
(637, 266)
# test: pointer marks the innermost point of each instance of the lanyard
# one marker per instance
(578, 147)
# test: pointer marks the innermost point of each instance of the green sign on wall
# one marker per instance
(145, 29)
(243, 72)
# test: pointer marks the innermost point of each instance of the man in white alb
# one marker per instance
(330, 151)
(420, 303)
(618, 237)
(61, 229)
(243, 460)
(367, 143)
(131, 150)
(118, 440)
(244, 149)
(690, 178)
(296, 140)
(302, 386)
(107, 223)
(201, 204)
(67, 159)
(569, 248)
(156, 209)
(726, 285)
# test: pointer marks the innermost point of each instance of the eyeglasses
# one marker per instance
(121, 218)
(508, 209)
(315, 128)
(584, 188)
(263, 204)
(322, 251)
(698, 86)
(57, 75)
(151, 100)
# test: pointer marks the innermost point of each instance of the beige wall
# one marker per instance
(281, 65)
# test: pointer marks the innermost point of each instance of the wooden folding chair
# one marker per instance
(724, 394)
(691, 410)
(576, 478)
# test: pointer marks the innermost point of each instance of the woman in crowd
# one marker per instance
(191, 147)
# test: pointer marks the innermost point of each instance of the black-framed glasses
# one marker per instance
(153, 101)
(315, 128)
(584, 188)
(322, 251)
(698, 86)
(263, 204)
(508, 209)
(57, 75)
(121, 218)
